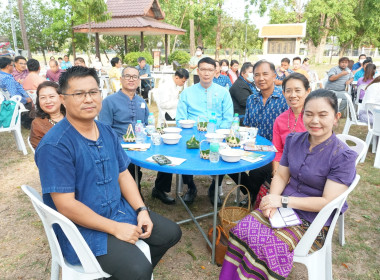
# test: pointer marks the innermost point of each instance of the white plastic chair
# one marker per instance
(30, 145)
(359, 105)
(373, 134)
(351, 116)
(33, 95)
(89, 268)
(319, 263)
(15, 125)
(5, 94)
(360, 148)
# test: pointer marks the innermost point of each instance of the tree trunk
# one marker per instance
(43, 54)
(73, 41)
(322, 43)
(23, 28)
(218, 30)
(192, 35)
(180, 26)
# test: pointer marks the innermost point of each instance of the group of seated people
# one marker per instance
(86, 175)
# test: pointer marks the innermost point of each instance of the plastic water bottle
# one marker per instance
(151, 124)
(139, 132)
(235, 125)
(214, 151)
(211, 126)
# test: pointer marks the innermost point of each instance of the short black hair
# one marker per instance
(75, 72)
(225, 61)
(17, 58)
(363, 54)
(80, 59)
(329, 95)
(39, 112)
(244, 67)
(115, 61)
(305, 59)
(5, 61)
(59, 58)
(66, 55)
(33, 65)
(199, 47)
(285, 59)
(271, 65)
(297, 58)
(182, 73)
(344, 58)
(207, 60)
(368, 60)
(141, 58)
(296, 76)
(130, 67)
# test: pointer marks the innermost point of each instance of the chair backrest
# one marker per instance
(350, 109)
(5, 94)
(49, 217)
(307, 240)
(30, 145)
(360, 146)
(374, 109)
(361, 87)
(16, 119)
(33, 95)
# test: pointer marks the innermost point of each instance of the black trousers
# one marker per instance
(126, 261)
(26, 117)
(254, 179)
(164, 181)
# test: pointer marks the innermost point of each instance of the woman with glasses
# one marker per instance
(49, 111)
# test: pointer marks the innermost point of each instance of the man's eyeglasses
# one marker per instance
(128, 77)
(80, 96)
(204, 70)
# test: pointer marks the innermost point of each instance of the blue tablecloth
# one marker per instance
(194, 165)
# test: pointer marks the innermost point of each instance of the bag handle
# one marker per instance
(227, 196)
(218, 234)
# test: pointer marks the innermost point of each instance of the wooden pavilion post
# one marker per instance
(97, 51)
(125, 44)
(142, 41)
(166, 49)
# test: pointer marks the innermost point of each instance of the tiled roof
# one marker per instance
(130, 8)
(135, 24)
(283, 30)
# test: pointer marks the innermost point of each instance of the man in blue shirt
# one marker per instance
(283, 71)
(144, 71)
(360, 73)
(203, 99)
(66, 64)
(358, 65)
(84, 176)
(220, 79)
(8, 83)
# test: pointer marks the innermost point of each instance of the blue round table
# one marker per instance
(194, 165)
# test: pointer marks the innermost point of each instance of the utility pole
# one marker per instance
(13, 26)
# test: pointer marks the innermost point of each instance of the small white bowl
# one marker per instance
(231, 155)
(171, 138)
(218, 137)
(223, 131)
(243, 128)
(187, 123)
(172, 130)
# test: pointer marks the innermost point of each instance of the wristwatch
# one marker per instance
(285, 201)
(142, 208)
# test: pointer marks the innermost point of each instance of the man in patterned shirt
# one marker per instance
(283, 71)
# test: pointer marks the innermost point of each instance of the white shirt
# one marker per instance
(168, 95)
(372, 94)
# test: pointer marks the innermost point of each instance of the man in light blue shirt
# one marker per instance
(65, 64)
(144, 71)
(203, 99)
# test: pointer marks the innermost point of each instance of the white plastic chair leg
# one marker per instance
(20, 142)
(368, 142)
(347, 126)
(377, 157)
(374, 143)
(54, 275)
(342, 240)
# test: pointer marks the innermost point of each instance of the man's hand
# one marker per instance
(127, 232)
(144, 222)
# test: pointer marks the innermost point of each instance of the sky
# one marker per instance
(235, 8)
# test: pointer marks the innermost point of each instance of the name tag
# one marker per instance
(142, 105)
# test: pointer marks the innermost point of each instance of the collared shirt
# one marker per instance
(194, 61)
(7, 82)
(167, 95)
(143, 71)
(32, 81)
(71, 163)
(223, 81)
(309, 170)
(356, 66)
(339, 84)
(54, 76)
(20, 75)
(196, 101)
(119, 111)
(281, 75)
(263, 116)
(283, 125)
(65, 65)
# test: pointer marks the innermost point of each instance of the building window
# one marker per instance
(281, 46)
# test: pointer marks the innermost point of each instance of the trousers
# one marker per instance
(126, 261)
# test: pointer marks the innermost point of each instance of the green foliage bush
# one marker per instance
(181, 57)
(131, 58)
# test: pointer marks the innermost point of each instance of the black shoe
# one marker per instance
(162, 196)
(190, 195)
(211, 194)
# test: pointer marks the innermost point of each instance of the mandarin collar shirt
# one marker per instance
(8, 83)
(263, 116)
(196, 101)
(71, 163)
(119, 111)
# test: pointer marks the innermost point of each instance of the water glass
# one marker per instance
(252, 133)
(156, 138)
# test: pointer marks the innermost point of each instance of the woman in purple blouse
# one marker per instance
(316, 167)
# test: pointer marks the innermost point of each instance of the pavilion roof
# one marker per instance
(289, 30)
(130, 17)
